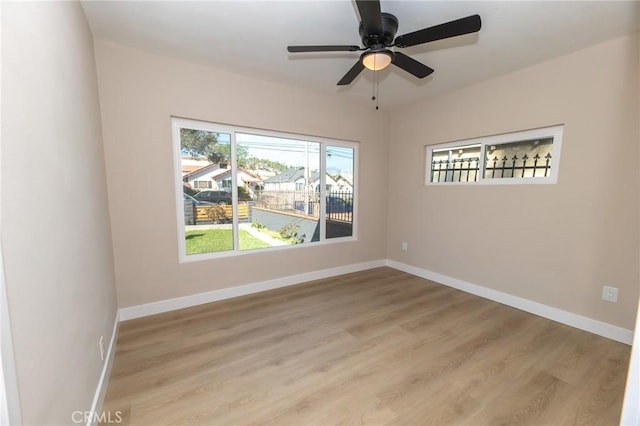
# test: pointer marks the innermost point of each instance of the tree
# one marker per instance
(197, 143)
(265, 164)
(204, 144)
(221, 153)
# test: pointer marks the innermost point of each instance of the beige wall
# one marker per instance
(553, 244)
(139, 92)
(56, 235)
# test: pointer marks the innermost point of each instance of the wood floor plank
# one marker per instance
(374, 347)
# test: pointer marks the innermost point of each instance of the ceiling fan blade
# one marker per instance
(351, 74)
(410, 65)
(371, 16)
(470, 24)
(297, 49)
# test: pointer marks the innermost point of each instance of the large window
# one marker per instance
(530, 156)
(267, 189)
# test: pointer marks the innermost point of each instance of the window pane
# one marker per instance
(279, 179)
(522, 159)
(455, 164)
(207, 206)
(339, 192)
(283, 189)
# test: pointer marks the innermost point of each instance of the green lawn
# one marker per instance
(214, 240)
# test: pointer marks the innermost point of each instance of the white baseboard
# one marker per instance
(242, 290)
(101, 390)
(600, 328)
(583, 323)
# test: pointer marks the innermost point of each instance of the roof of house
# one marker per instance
(220, 173)
(347, 179)
(248, 176)
(186, 168)
(202, 170)
(190, 164)
(292, 174)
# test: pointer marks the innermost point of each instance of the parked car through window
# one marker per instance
(216, 197)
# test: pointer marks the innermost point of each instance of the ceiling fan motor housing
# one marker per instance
(389, 29)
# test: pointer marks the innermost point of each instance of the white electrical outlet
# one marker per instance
(405, 246)
(101, 348)
(610, 294)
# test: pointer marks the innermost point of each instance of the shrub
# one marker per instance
(290, 233)
(243, 194)
(217, 214)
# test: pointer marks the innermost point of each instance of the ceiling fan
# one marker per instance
(377, 31)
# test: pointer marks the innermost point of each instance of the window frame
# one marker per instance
(556, 132)
(178, 122)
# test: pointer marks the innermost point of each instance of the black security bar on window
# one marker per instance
(467, 169)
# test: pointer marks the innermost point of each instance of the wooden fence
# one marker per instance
(202, 216)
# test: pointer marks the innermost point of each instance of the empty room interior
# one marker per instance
(320, 212)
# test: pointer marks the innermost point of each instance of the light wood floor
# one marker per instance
(374, 347)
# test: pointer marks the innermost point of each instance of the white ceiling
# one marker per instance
(250, 37)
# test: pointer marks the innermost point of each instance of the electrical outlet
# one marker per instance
(610, 294)
(101, 342)
(405, 246)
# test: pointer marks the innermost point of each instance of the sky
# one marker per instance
(293, 152)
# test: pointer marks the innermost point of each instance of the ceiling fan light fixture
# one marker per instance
(376, 60)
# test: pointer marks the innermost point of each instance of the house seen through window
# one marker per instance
(258, 190)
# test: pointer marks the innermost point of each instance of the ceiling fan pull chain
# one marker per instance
(376, 86)
(377, 89)
(373, 87)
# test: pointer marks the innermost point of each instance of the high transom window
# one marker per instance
(530, 156)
